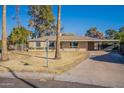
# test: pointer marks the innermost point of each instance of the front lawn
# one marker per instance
(35, 62)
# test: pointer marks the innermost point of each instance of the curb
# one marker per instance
(27, 75)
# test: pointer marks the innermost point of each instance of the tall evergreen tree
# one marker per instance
(42, 18)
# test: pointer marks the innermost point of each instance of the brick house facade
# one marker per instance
(69, 43)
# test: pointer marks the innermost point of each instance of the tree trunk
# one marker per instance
(4, 36)
(57, 53)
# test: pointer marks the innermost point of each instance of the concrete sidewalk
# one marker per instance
(36, 83)
(27, 75)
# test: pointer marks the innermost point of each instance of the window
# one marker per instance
(38, 44)
(74, 44)
(51, 44)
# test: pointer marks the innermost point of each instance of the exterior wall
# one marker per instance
(74, 49)
(65, 49)
(65, 45)
(83, 45)
(31, 45)
(43, 44)
(80, 45)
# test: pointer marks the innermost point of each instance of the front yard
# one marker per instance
(36, 62)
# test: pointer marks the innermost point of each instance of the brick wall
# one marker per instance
(65, 44)
(31, 44)
(83, 45)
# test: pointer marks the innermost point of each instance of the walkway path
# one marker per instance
(102, 68)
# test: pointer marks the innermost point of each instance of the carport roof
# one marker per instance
(71, 38)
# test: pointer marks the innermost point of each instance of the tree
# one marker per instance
(53, 31)
(92, 32)
(42, 18)
(120, 36)
(100, 35)
(121, 29)
(19, 35)
(57, 53)
(68, 34)
(16, 17)
(4, 55)
(110, 33)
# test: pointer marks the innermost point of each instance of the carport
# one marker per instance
(103, 44)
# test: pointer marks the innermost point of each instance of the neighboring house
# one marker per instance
(70, 43)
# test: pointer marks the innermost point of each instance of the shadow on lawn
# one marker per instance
(26, 82)
(110, 57)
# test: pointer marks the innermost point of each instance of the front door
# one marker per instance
(90, 45)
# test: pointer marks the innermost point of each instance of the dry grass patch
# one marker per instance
(35, 61)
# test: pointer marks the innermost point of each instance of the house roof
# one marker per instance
(69, 38)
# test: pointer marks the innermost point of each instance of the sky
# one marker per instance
(74, 18)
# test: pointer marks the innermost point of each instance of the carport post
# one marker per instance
(114, 44)
(119, 49)
(98, 45)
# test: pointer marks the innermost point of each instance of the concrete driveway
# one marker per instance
(101, 68)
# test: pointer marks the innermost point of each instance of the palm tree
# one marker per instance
(4, 36)
(57, 53)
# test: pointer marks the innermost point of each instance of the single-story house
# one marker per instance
(71, 43)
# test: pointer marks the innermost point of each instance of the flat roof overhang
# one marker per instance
(104, 41)
(79, 40)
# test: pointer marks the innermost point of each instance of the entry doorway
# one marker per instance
(91, 45)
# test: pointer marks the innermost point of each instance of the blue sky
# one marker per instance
(75, 18)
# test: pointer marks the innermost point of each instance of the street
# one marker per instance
(37, 83)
